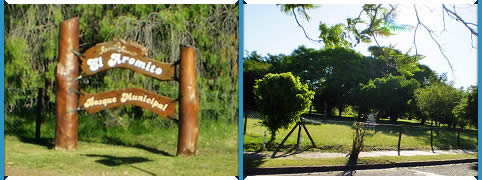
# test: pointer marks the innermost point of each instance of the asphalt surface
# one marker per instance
(307, 154)
(462, 169)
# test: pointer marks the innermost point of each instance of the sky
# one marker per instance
(269, 31)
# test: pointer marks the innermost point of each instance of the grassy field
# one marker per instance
(333, 136)
(145, 154)
(251, 163)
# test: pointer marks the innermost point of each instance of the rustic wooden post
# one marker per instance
(188, 104)
(66, 98)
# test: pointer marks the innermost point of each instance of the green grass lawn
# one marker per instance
(252, 163)
(145, 154)
(337, 137)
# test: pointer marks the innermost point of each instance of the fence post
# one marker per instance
(458, 137)
(188, 104)
(66, 98)
(298, 141)
(400, 139)
(431, 139)
(264, 141)
(245, 120)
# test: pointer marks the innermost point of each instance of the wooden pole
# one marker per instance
(458, 137)
(245, 120)
(66, 98)
(308, 133)
(431, 139)
(298, 140)
(400, 139)
(188, 104)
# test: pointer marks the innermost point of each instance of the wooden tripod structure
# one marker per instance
(298, 125)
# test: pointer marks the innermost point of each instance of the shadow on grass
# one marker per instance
(118, 142)
(49, 144)
(45, 142)
(252, 163)
(117, 161)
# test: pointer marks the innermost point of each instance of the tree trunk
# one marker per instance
(423, 121)
(273, 137)
(66, 98)
(340, 110)
(188, 132)
(393, 117)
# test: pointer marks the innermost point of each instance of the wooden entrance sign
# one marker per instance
(119, 54)
(160, 105)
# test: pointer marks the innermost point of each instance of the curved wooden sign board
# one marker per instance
(119, 54)
(160, 105)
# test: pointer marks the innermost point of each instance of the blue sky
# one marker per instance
(268, 30)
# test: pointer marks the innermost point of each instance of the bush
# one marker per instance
(281, 99)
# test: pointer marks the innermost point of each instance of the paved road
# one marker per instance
(463, 169)
(308, 154)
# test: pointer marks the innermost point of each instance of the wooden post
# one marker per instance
(458, 137)
(188, 104)
(400, 139)
(431, 139)
(245, 120)
(308, 133)
(66, 98)
(298, 140)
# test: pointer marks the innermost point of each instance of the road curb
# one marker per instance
(308, 169)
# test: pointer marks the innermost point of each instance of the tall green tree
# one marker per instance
(281, 99)
(466, 110)
(254, 68)
(438, 101)
(342, 70)
(389, 94)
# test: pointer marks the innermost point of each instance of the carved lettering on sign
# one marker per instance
(119, 54)
(161, 105)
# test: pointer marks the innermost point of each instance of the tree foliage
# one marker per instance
(389, 94)
(281, 99)
(466, 110)
(438, 101)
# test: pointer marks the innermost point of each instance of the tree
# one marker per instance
(281, 99)
(342, 70)
(438, 101)
(389, 94)
(254, 68)
(466, 110)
